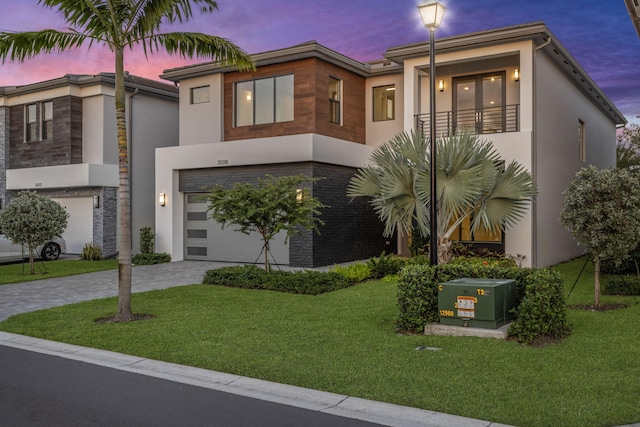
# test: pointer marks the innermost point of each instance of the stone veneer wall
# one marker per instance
(351, 231)
(4, 154)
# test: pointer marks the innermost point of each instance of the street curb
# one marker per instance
(345, 406)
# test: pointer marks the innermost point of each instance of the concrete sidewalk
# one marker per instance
(29, 296)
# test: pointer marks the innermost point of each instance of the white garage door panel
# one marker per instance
(80, 223)
(207, 240)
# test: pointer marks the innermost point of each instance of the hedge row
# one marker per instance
(541, 309)
(295, 282)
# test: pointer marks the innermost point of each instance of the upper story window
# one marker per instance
(335, 99)
(38, 121)
(263, 101)
(200, 94)
(582, 141)
(384, 104)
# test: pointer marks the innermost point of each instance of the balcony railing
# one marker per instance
(487, 120)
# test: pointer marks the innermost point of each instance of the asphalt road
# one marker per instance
(44, 390)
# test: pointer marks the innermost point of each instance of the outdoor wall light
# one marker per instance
(441, 85)
(516, 75)
(299, 195)
(162, 199)
(96, 201)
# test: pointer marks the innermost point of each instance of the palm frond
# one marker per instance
(29, 44)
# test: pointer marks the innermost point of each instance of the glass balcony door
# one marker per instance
(479, 103)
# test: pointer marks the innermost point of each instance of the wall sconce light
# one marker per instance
(516, 75)
(162, 199)
(96, 201)
(441, 85)
(299, 195)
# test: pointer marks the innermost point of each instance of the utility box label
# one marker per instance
(466, 306)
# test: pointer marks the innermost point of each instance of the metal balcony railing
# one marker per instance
(487, 120)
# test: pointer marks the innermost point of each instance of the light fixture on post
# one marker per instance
(431, 14)
(96, 201)
(162, 199)
(516, 75)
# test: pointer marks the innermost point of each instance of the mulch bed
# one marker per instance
(136, 317)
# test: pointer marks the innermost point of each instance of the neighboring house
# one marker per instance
(58, 137)
(633, 6)
(308, 109)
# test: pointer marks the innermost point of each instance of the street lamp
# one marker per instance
(431, 14)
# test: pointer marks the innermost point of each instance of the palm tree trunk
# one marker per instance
(444, 250)
(123, 313)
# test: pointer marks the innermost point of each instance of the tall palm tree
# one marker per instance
(120, 25)
(471, 182)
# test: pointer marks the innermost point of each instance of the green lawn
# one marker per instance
(20, 272)
(345, 342)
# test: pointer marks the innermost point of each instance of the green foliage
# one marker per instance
(602, 212)
(271, 206)
(628, 148)
(355, 273)
(622, 285)
(146, 240)
(471, 180)
(629, 265)
(152, 258)
(384, 265)
(32, 220)
(295, 282)
(91, 252)
(541, 310)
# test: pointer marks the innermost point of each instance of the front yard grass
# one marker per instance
(19, 272)
(345, 342)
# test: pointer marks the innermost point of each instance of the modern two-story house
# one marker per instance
(308, 109)
(58, 137)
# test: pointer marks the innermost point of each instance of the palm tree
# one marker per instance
(471, 182)
(120, 25)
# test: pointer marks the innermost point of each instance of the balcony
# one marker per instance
(485, 121)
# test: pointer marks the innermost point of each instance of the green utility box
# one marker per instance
(479, 303)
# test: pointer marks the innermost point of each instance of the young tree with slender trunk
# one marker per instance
(122, 25)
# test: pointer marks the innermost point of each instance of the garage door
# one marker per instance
(206, 240)
(80, 223)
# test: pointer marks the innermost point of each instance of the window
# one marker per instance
(384, 103)
(47, 120)
(199, 94)
(38, 121)
(335, 97)
(264, 101)
(582, 141)
(31, 122)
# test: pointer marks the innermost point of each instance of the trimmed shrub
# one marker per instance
(91, 252)
(146, 240)
(622, 285)
(295, 282)
(628, 265)
(384, 265)
(355, 273)
(152, 258)
(541, 309)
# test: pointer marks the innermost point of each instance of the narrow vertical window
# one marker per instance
(47, 120)
(335, 97)
(31, 123)
(384, 103)
(582, 141)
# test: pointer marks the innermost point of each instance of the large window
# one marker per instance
(38, 120)
(384, 103)
(335, 98)
(264, 101)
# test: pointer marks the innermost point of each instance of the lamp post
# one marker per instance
(431, 14)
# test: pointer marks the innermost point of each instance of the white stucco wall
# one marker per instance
(560, 105)
(378, 133)
(200, 123)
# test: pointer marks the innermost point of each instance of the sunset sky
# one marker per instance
(599, 34)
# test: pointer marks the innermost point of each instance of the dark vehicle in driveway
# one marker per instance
(49, 251)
